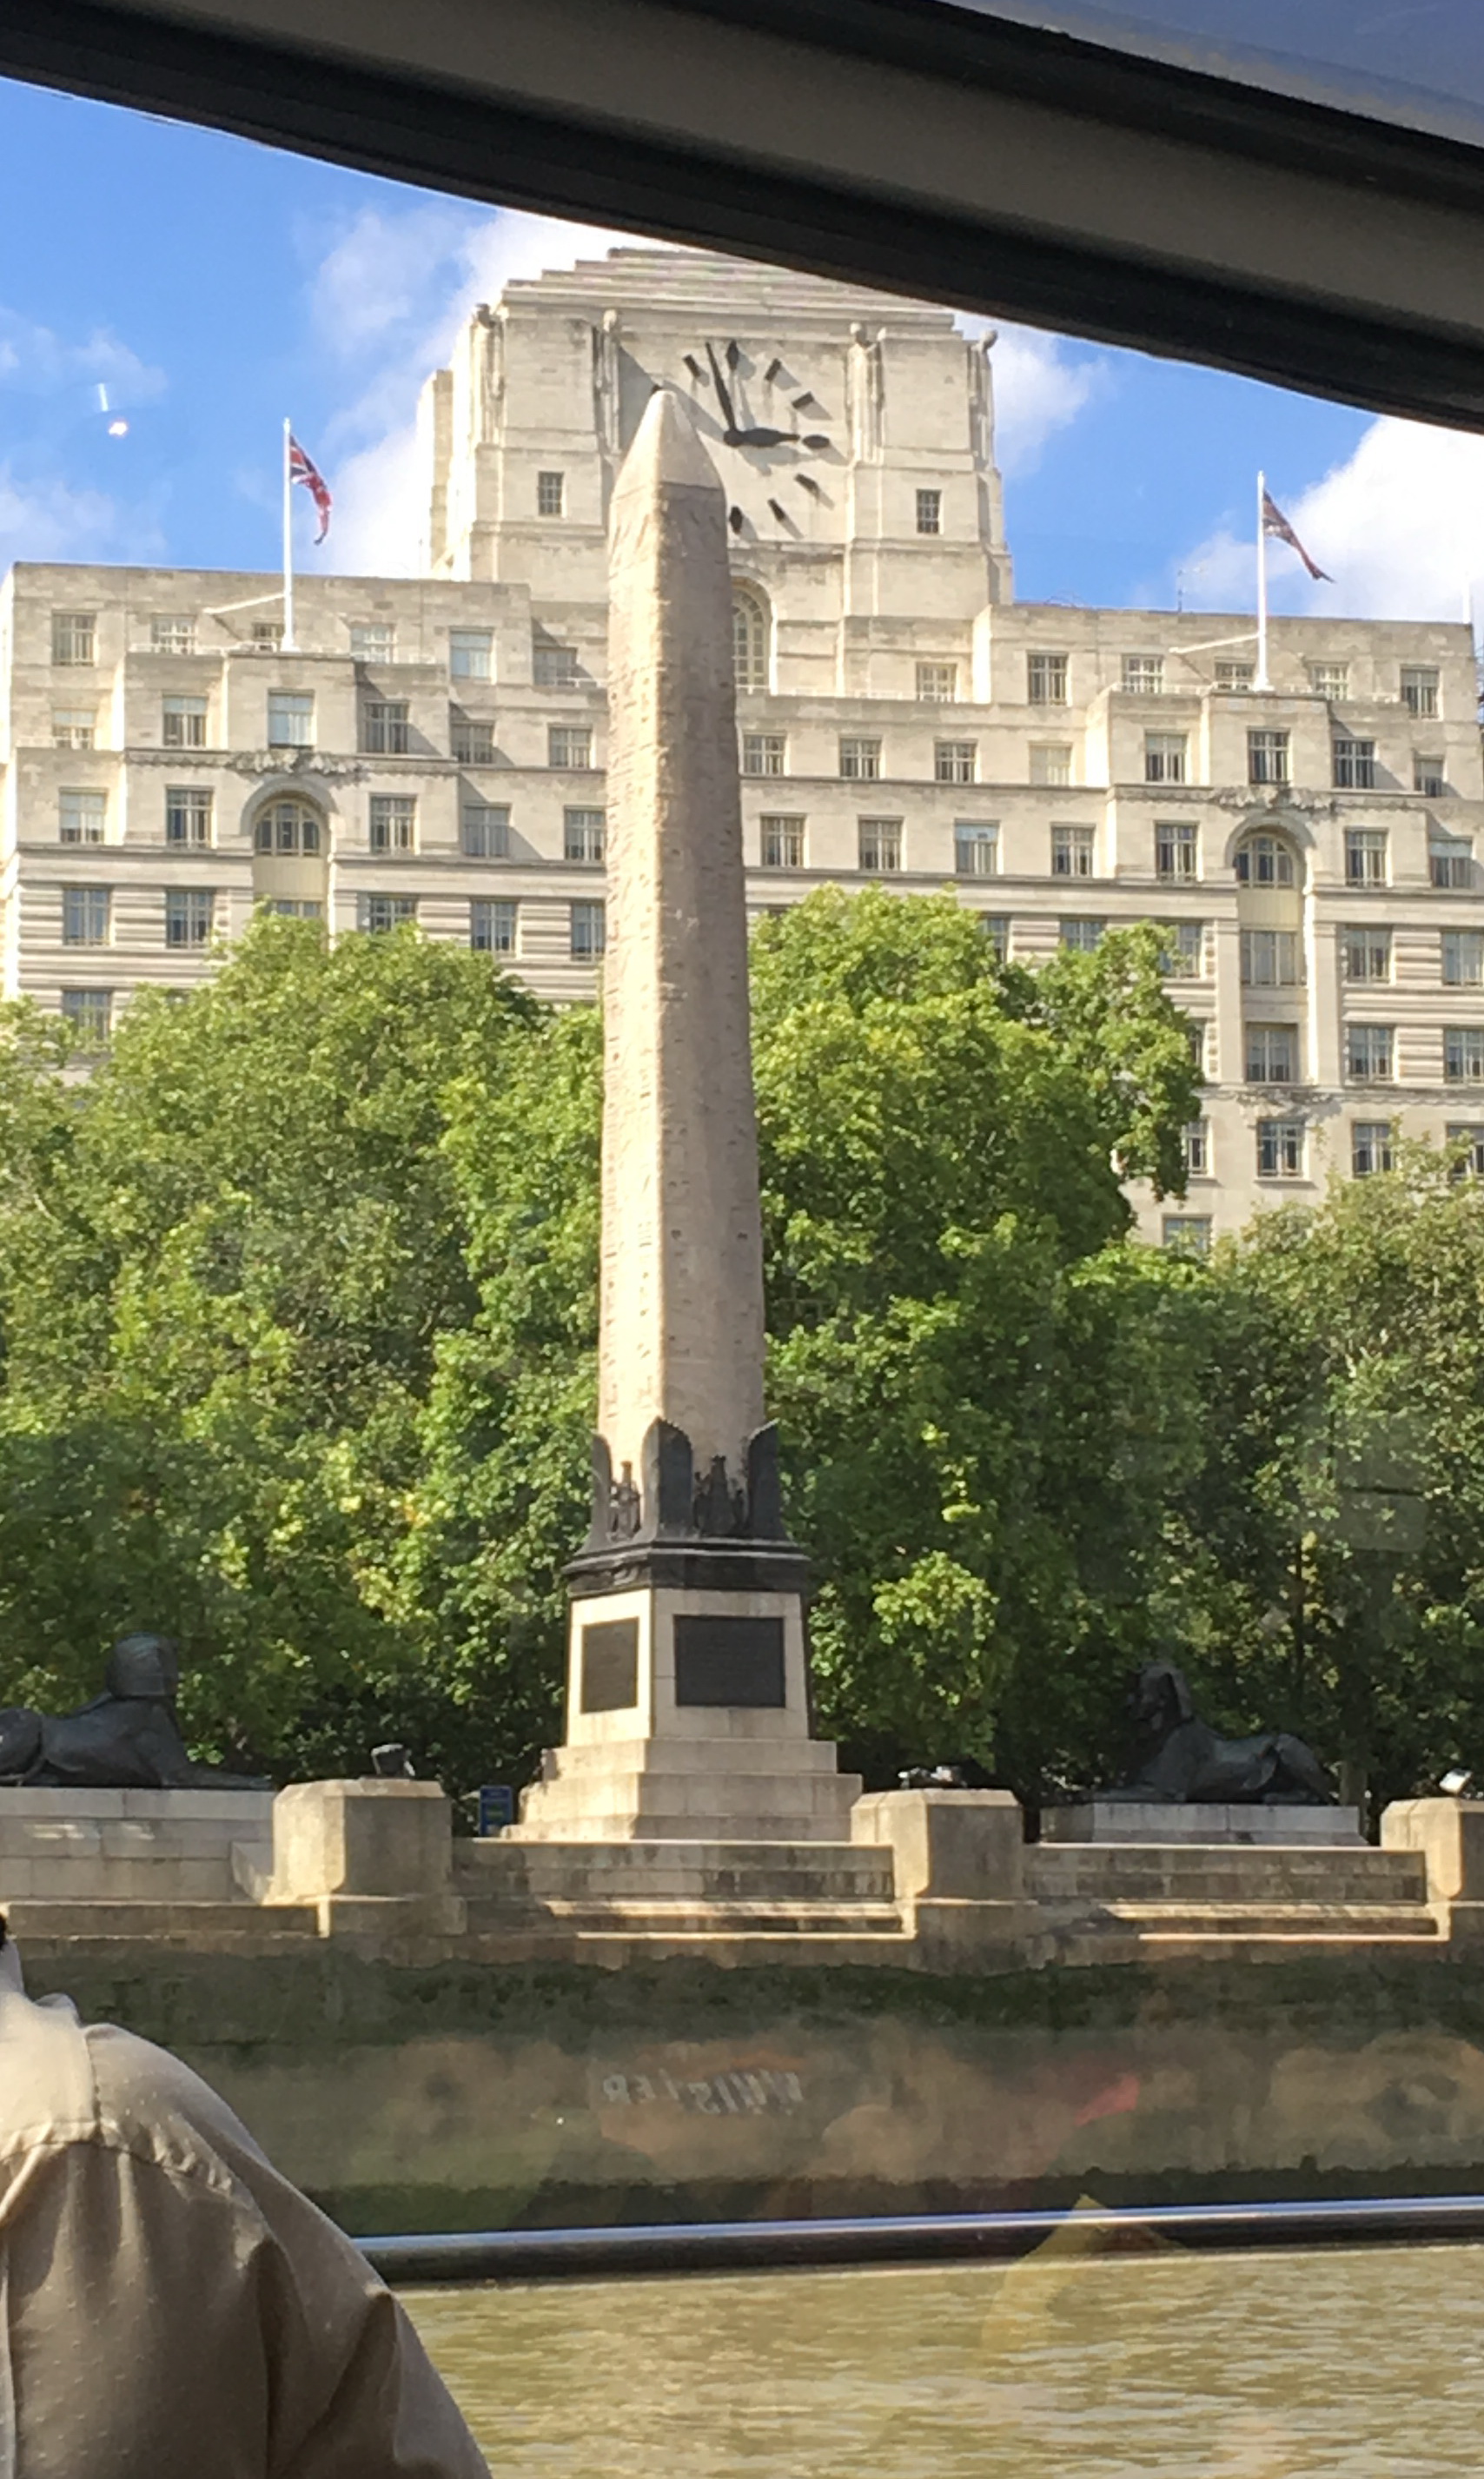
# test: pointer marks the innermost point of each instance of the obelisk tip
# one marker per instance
(667, 450)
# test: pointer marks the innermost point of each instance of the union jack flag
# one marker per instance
(304, 469)
(1274, 521)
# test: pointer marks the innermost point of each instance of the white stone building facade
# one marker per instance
(432, 749)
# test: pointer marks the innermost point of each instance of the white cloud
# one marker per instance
(40, 362)
(1399, 527)
(392, 293)
(51, 521)
(1038, 390)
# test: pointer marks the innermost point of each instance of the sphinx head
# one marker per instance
(146, 1666)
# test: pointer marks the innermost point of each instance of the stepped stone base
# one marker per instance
(743, 1789)
(138, 1846)
(1114, 1820)
(678, 1888)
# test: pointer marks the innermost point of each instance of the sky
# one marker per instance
(212, 287)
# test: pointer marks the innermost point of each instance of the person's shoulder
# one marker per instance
(154, 2105)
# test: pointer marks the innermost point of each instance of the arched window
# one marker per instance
(750, 637)
(286, 826)
(1266, 860)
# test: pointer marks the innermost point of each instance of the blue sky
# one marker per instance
(212, 286)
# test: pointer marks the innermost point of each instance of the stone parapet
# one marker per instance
(1199, 1821)
(1450, 1835)
(142, 1846)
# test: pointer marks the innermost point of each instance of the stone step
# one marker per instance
(1200, 1872)
(736, 1952)
(569, 1825)
(712, 1758)
(503, 1868)
(700, 1920)
(1275, 1919)
(241, 1925)
(1306, 1946)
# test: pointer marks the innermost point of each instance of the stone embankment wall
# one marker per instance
(465, 2097)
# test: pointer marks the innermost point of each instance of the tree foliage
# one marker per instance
(297, 1324)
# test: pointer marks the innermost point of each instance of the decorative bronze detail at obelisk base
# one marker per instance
(687, 1709)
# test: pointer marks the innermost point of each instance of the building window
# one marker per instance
(551, 495)
(1072, 850)
(1365, 856)
(1184, 949)
(880, 845)
(492, 926)
(172, 632)
(553, 666)
(1330, 680)
(995, 927)
(1368, 1053)
(1187, 1235)
(1165, 757)
(955, 761)
(267, 636)
(1264, 860)
(91, 1013)
(187, 814)
(291, 719)
(930, 512)
(469, 652)
(1463, 958)
(86, 916)
(1195, 1029)
(861, 760)
(183, 723)
(472, 743)
(782, 843)
(1267, 758)
(384, 728)
(392, 823)
(292, 907)
(749, 638)
(976, 850)
(1429, 775)
(286, 826)
(1232, 676)
(1371, 1146)
(1280, 1149)
(1365, 955)
(1045, 680)
(380, 913)
(570, 748)
(582, 835)
(372, 641)
(1176, 851)
(75, 727)
(188, 913)
(1463, 1053)
(1468, 1142)
(1271, 959)
(1420, 688)
(1355, 764)
(1144, 675)
(1051, 762)
(763, 753)
(1196, 1139)
(1450, 861)
(74, 636)
(1080, 936)
(484, 832)
(81, 817)
(587, 931)
(1272, 1054)
(937, 683)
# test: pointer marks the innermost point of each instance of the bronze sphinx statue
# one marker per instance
(128, 1738)
(1177, 1756)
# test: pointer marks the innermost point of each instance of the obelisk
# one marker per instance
(688, 1700)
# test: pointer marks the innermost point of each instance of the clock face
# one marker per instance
(765, 415)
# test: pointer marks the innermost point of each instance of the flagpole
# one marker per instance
(1261, 681)
(288, 548)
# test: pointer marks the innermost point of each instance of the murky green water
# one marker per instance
(1153, 2367)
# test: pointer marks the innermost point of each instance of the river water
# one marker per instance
(1151, 2366)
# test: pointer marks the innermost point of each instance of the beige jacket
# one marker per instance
(169, 2306)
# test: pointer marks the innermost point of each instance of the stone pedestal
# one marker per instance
(370, 1856)
(1202, 1821)
(1449, 1833)
(135, 1846)
(958, 1867)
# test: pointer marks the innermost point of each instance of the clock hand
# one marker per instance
(723, 398)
